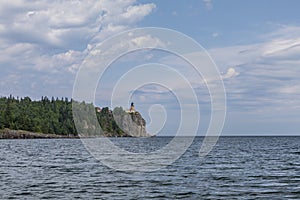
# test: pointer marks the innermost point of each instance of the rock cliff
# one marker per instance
(113, 123)
(132, 124)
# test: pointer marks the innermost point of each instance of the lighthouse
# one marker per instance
(132, 109)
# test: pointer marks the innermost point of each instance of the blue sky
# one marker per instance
(255, 44)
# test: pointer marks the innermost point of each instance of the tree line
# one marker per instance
(51, 116)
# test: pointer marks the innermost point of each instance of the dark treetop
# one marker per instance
(52, 116)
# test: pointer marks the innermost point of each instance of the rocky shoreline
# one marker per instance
(20, 134)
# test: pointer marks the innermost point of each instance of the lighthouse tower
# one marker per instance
(132, 109)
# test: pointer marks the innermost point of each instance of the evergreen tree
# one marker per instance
(53, 116)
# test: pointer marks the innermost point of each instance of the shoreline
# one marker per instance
(21, 134)
(6, 134)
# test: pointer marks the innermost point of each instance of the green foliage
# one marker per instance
(107, 121)
(53, 116)
(37, 116)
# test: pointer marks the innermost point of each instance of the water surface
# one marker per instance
(237, 168)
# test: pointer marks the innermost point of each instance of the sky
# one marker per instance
(255, 45)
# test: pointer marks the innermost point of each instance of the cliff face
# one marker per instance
(132, 124)
(113, 123)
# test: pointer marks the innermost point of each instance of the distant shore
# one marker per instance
(21, 134)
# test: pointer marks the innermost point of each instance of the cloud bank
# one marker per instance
(51, 38)
(263, 76)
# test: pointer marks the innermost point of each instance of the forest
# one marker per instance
(51, 116)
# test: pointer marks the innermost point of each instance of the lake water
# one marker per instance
(237, 168)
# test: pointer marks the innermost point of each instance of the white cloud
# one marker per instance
(55, 36)
(208, 4)
(147, 40)
(230, 73)
(281, 46)
(289, 89)
(264, 74)
(215, 35)
(60, 23)
(137, 12)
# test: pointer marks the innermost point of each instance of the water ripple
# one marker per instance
(238, 168)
